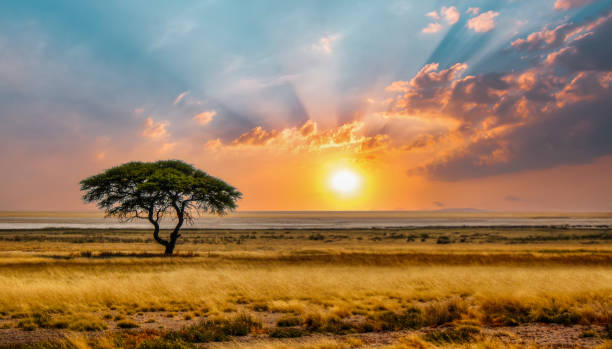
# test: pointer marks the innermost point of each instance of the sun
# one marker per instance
(345, 181)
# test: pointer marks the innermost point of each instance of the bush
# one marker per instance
(287, 332)
(27, 324)
(161, 343)
(288, 321)
(127, 324)
(87, 324)
(462, 334)
(556, 315)
(216, 330)
(390, 321)
(505, 312)
(332, 324)
(441, 312)
(443, 240)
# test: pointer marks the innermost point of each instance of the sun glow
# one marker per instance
(345, 181)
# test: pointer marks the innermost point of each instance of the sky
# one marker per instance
(499, 105)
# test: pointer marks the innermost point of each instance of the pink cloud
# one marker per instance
(484, 22)
(570, 4)
(326, 44)
(450, 14)
(180, 97)
(154, 130)
(546, 38)
(433, 14)
(205, 118)
(432, 28)
(473, 10)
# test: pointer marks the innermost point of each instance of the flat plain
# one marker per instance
(476, 287)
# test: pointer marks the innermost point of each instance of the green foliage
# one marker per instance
(135, 187)
(145, 190)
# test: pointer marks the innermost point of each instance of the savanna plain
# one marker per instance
(466, 287)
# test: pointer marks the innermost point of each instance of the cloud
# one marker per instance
(432, 28)
(180, 97)
(326, 44)
(438, 204)
(433, 14)
(571, 4)
(511, 198)
(473, 10)
(551, 114)
(589, 51)
(256, 136)
(562, 35)
(428, 89)
(309, 137)
(155, 130)
(484, 22)
(545, 39)
(205, 118)
(450, 14)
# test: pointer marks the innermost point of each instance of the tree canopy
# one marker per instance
(153, 190)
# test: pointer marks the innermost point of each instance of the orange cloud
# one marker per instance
(180, 97)
(484, 22)
(326, 43)
(205, 118)
(450, 14)
(256, 136)
(570, 4)
(154, 130)
(308, 137)
(432, 28)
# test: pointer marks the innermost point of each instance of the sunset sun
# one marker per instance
(345, 181)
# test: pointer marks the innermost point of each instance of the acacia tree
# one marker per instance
(154, 190)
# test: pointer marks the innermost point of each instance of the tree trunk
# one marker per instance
(175, 233)
(156, 233)
(170, 249)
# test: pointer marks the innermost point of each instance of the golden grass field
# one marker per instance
(388, 288)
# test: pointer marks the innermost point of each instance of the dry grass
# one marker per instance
(298, 286)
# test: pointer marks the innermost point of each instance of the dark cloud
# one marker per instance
(555, 113)
(511, 198)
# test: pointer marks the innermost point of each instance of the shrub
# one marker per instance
(505, 312)
(556, 315)
(410, 318)
(87, 324)
(332, 324)
(443, 240)
(461, 334)
(288, 321)
(441, 312)
(27, 324)
(260, 307)
(287, 332)
(216, 330)
(127, 324)
(162, 343)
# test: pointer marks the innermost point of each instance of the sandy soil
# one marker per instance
(549, 335)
